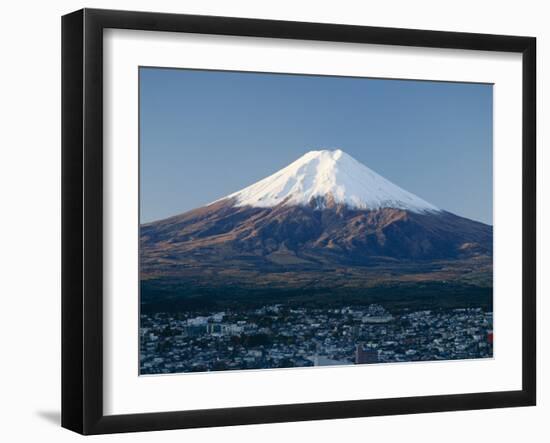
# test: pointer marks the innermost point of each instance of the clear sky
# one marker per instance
(206, 134)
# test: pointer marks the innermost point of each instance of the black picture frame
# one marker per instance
(82, 218)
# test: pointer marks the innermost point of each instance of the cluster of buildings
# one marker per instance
(279, 336)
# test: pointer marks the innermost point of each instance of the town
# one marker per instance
(280, 336)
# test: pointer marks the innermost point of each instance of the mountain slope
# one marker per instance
(300, 235)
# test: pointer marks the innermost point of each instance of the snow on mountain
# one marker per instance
(319, 175)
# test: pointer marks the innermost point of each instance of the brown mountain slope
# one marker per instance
(293, 238)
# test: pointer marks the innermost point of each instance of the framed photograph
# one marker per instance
(268, 221)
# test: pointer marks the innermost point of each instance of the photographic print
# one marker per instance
(292, 220)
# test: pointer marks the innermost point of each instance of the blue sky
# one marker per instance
(206, 134)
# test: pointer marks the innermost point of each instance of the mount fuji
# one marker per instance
(324, 220)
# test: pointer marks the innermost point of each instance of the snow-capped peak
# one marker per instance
(329, 173)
